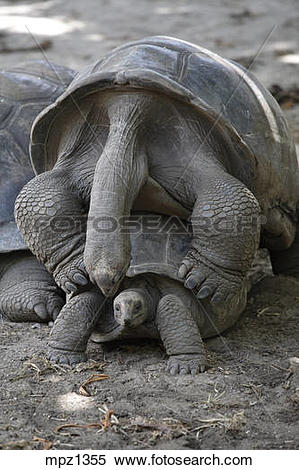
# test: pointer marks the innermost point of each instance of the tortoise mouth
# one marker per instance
(131, 322)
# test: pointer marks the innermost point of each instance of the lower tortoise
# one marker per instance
(152, 303)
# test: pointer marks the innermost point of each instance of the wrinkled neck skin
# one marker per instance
(151, 296)
(150, 302)
(120, 173)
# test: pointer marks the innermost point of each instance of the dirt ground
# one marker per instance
(248, 398)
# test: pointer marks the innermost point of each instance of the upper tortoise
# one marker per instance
(165, 126)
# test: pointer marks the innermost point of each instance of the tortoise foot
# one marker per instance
(209, 281)
(184, 364)
(60, 356)
(31, 300)
(72, 276)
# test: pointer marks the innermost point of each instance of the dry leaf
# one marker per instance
(46, 444)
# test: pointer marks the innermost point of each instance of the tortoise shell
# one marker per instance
(24, 91)
(158, 245)
(235, 104)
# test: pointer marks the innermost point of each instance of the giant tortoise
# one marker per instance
(27, 290)
(166, 126)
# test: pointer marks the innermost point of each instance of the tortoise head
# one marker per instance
(131, 308)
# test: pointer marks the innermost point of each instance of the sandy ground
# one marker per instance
(248, 398)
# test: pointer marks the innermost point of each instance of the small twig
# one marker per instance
(107, 419)
(91, 364)
(91, 379)
(81, 426)
(276, 366)
(33, 366)
(255, 389)
(264, 311)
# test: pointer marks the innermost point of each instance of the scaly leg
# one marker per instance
(73, 327)
(51, 217)
(181, 337)
(226, 230)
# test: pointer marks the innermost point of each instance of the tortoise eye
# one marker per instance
(117, 307)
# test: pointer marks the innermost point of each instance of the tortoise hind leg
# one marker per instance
(27, 291)
(180, 335)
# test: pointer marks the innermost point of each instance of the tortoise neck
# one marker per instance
(153, 296)
(120, 173)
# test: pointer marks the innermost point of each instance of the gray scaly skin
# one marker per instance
(27, 291)
(72, 329)
(60, 250)
(79, 318)
(151, 303)
(51, 210)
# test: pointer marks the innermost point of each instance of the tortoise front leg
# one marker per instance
(226, 228)
(51, 218)
(73, 327)
(181, 337)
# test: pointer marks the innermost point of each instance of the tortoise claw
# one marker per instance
(72, 276)
(66, 357)
(184, 364)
